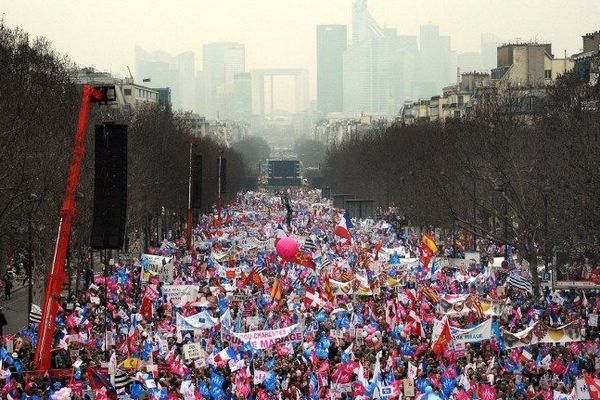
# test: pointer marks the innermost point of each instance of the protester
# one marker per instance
(8, 285)
(289, 298)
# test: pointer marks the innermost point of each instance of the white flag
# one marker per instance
(412, 371)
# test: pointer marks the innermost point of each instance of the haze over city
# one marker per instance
(281, 33)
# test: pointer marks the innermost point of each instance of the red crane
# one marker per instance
(67, 212)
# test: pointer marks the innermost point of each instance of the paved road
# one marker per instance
(15, 309)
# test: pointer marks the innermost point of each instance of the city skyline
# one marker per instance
(177, 30)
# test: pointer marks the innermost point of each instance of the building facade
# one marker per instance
(528, 64)
(129, 95)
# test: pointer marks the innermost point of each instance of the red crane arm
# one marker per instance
(67, 211)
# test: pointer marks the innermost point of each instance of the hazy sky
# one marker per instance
(281, 33)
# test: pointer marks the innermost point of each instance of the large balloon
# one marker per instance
(287, 248)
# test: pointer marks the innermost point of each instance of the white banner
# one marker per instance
(262, 339)
(541, 333)
(476, 334)
(202, 320)
(180, 294)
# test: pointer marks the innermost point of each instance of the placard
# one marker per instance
(409, 387)
(193, 351)
(593, 320)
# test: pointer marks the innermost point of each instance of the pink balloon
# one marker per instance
(287, 248)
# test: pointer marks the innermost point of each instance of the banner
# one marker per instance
(457, 304)
(476, 334)
(541, 333)
(202, 320)
(262, 339)
(180, 294)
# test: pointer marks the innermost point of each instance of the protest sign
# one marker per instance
(593, 320)
(409, 387)
(180, 294)
(193, 351)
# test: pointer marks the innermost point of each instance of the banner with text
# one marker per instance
(262, 339)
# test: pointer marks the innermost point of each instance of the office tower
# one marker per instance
(372, 66)
(166, 71)
(221, 61)
(331, 44)
(489, 45)
(242, 96)
(436, 65)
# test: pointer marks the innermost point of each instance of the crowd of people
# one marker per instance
(285, 297)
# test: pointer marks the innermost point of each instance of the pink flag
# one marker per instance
(487, 392)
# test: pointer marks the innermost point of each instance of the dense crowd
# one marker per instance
(286, 297)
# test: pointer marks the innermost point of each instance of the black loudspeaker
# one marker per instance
(196, 181)
(110, 187)
(222, 162)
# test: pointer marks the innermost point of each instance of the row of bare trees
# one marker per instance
(39, 105)
(531, 180)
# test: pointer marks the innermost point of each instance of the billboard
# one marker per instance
(284, 173)
(577, 269)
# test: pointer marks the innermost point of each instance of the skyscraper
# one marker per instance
(164, 70)
(436, 64)
(221, 61)
(378, 66)
(331, 44)
(242, 96)
(489, 50)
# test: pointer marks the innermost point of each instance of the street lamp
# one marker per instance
(474, 215)
(32, 197)
(500, 189)
(546, 190)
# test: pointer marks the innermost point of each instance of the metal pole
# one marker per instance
(545, 232)
(189, 210)
(219, 205)
(474, 215)
(505, 229)
(30, 263)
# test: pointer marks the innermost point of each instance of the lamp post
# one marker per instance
(32, 197)
(546, 190)
(190, 215)
(501, 189)
(474, 215)
(219, 177)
